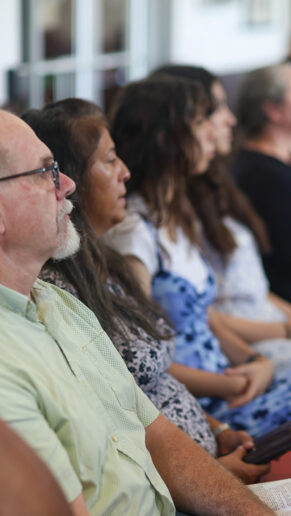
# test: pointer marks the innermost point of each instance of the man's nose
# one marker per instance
(67, 186)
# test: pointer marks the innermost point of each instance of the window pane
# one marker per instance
(54, 25)
(109, 82)
(114, 26)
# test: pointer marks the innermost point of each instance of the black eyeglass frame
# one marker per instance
(54, 168)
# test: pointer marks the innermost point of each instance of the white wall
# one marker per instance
(218, 37)
(10, 34)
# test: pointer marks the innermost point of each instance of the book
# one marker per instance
(277, 495)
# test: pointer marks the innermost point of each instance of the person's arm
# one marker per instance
(141, 273)
(196, 481)
(246, 381)
(282, 304)
(252, 331)
(202, 383)
(19, 408)
(235, 348)
(79, 507)
(27, 487)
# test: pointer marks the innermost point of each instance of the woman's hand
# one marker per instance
(259, 375)
(232, 386)
(229, 440)
(248, 473)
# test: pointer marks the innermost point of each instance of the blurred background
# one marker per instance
(51, 49)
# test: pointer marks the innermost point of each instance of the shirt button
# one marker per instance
(114, 438)
(84, 383)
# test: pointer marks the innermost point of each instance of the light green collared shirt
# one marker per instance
(66, 390)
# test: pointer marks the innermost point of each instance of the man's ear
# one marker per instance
(274, 112)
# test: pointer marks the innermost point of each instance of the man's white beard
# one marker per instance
(69, 238)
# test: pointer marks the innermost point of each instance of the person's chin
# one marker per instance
(202, 169)
(225, 146)
(224, 150)
(119, 217)
(69, 243)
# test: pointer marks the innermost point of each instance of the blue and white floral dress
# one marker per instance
(186, 305)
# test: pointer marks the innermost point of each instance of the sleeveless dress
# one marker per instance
(196, 346)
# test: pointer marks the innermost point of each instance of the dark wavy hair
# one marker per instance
(215, 194)
(71, 128)
(193, 73)
(151, 124)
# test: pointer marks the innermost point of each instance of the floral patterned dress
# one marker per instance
(197, 347)
(148, 360)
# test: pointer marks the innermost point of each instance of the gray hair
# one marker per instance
(257, 87)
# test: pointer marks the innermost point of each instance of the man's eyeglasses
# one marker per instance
(54, 168)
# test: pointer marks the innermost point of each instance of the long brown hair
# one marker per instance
(71, 128)
(151, 124)
(214, 194)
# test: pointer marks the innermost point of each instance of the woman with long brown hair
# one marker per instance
(164, 142)
(233, 231)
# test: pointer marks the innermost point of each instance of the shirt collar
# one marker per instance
(18, 303)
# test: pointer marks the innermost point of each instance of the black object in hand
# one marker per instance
(271, 445)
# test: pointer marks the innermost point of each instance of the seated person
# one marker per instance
(77, 134)
(26, 485)
(159, 237)
(232, 231)
(63, 385)
(262, 165)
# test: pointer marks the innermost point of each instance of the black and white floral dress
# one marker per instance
(148, 360)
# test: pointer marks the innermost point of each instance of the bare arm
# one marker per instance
(141, 274)
(282, 304)
(197, 482)
(235, 348)
(251, 331)
(79, 507)
(202, 383)
(27, 486)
